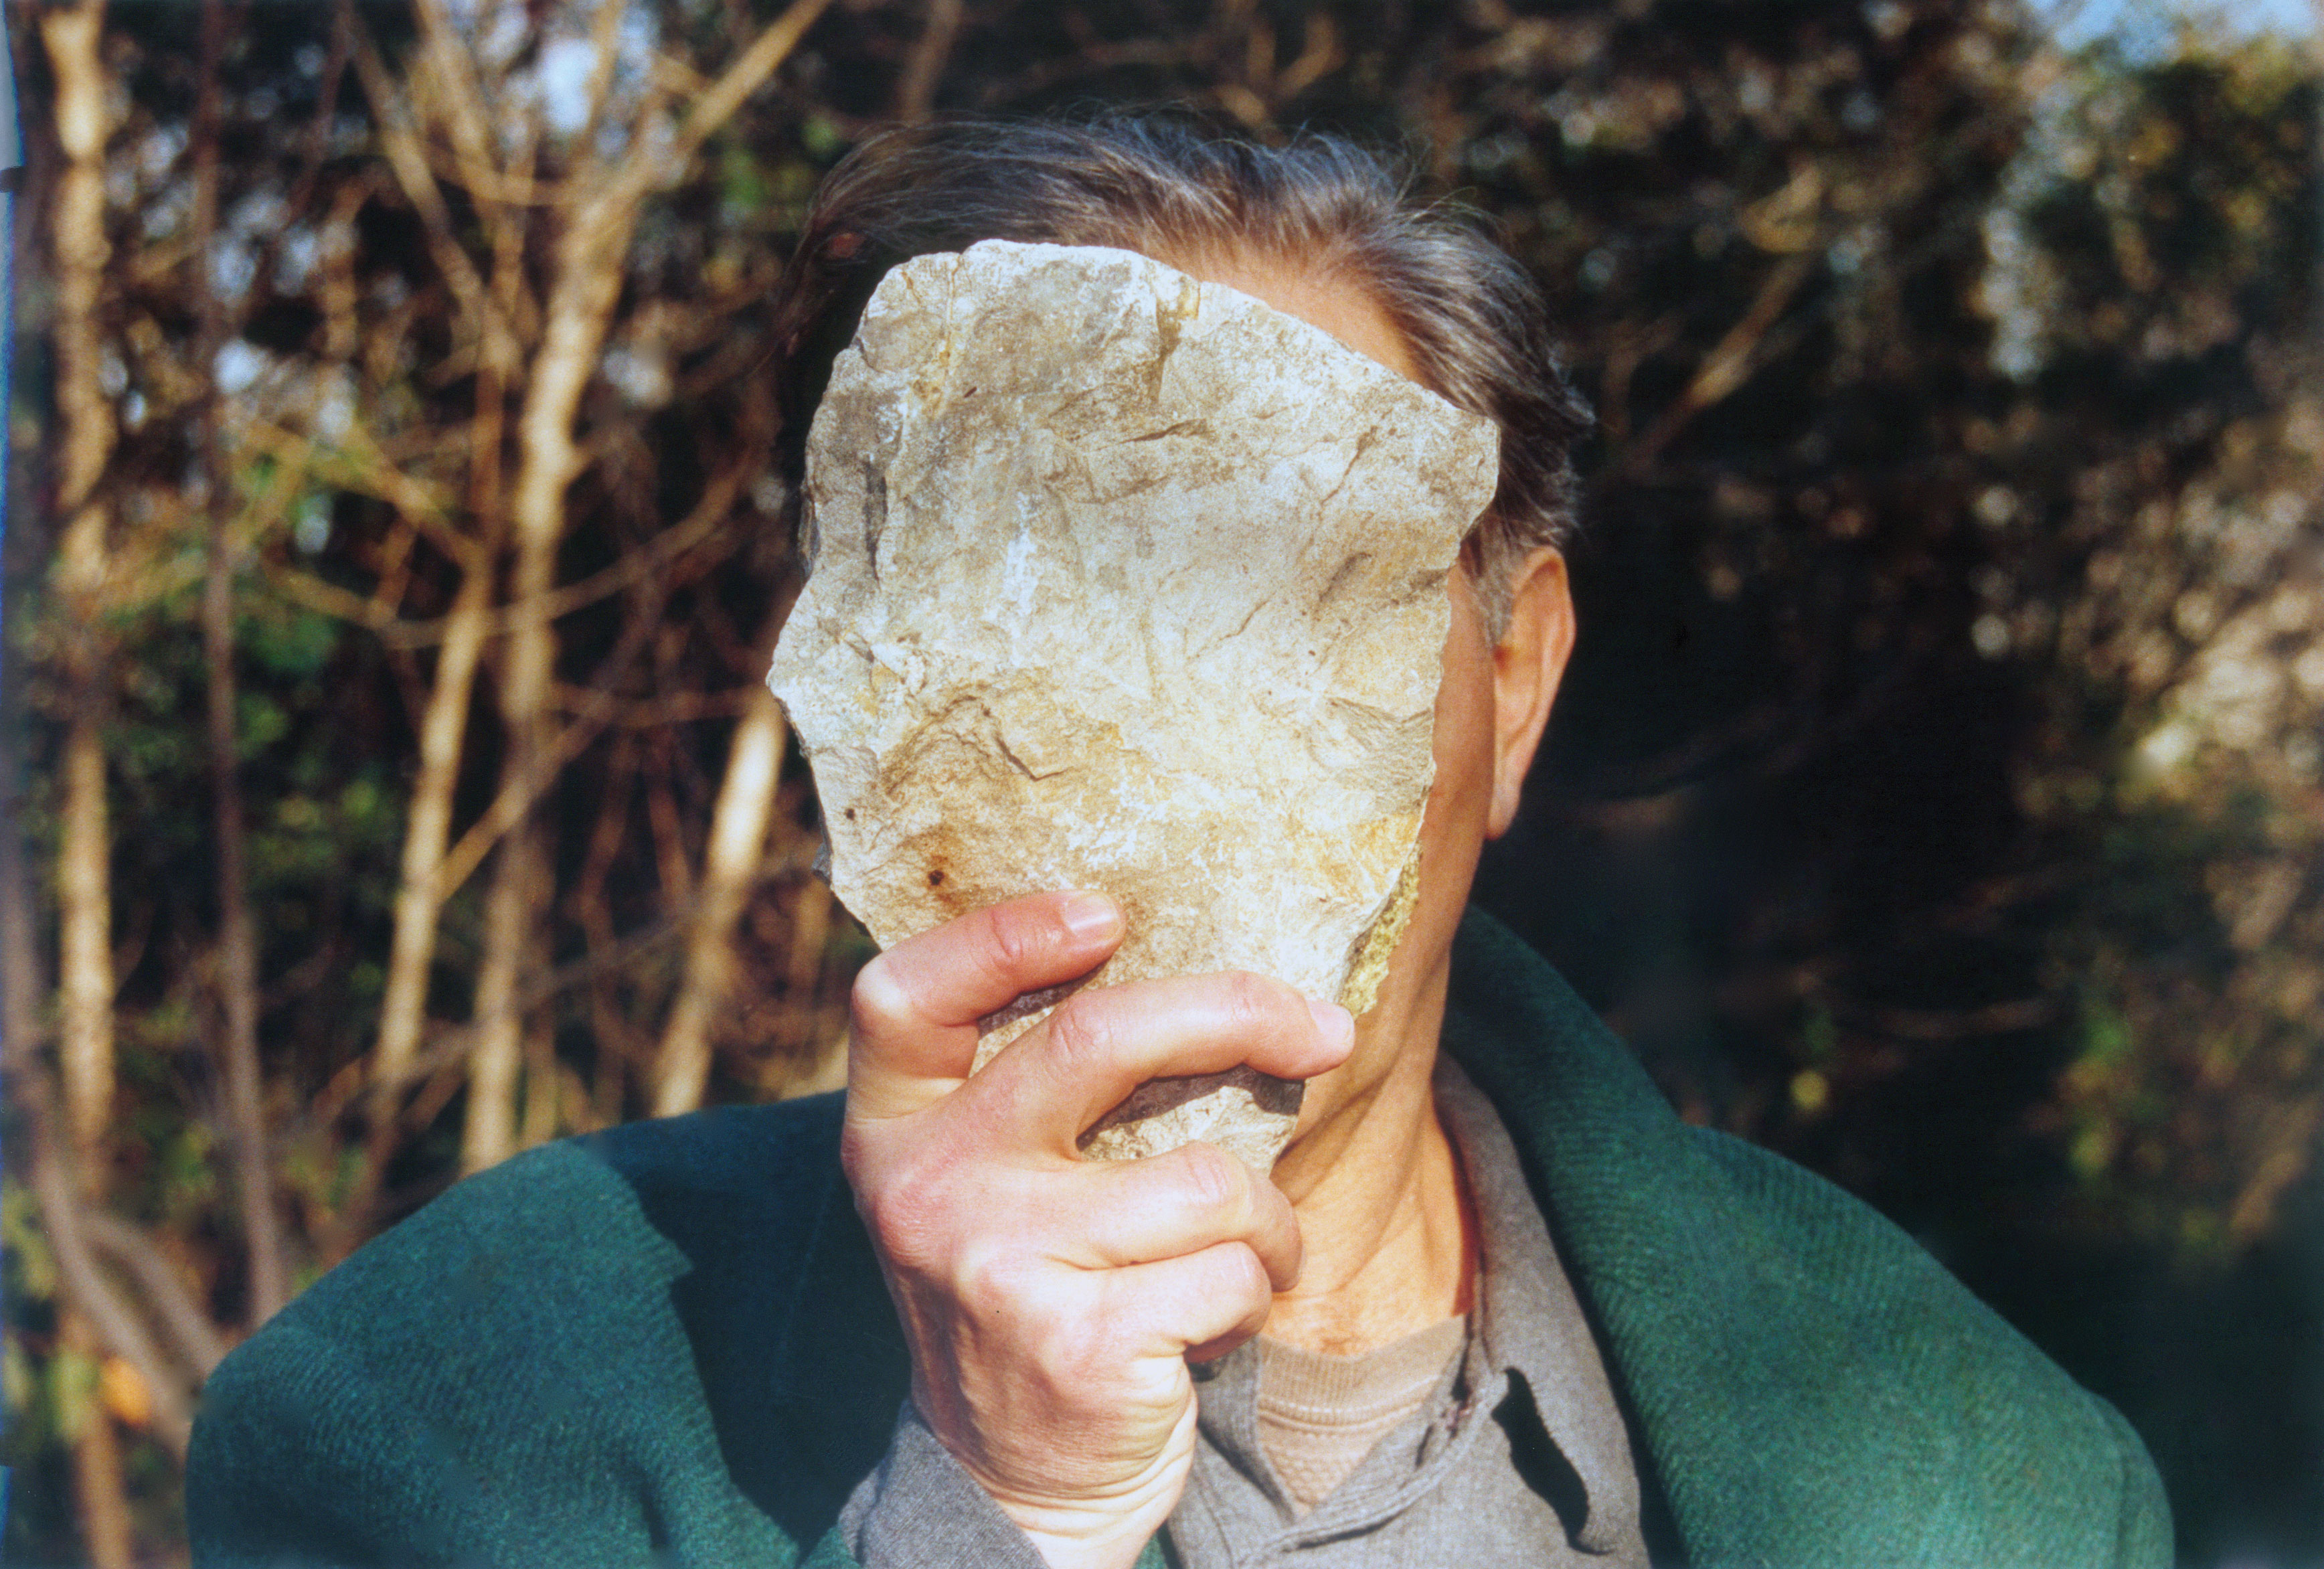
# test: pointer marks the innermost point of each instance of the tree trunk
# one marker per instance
(546, 1103)
(915, 91)
(100, 1498)
(580, 302)
(731, 863)
(73, 36)
(488, 1134)
(84, 920)
(428, 828)
(237, 945)
(600, 208)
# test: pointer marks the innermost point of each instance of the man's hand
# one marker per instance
(1052, 1302)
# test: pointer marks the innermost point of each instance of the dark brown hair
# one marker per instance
(1477, 325)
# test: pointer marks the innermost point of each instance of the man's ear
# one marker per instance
(1529, 663)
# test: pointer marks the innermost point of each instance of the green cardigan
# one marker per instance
(669, 1345)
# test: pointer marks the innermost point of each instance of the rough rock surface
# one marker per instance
(1127, 581)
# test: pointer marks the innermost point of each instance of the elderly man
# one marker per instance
(1495, 1302)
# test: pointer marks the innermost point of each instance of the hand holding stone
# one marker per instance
(1051, 1301)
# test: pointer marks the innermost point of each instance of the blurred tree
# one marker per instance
(2154, 293)
(449, 381)
(2158, 307)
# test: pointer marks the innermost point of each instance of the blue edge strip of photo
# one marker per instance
(12, 163)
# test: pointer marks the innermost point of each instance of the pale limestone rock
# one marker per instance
(1130, 582)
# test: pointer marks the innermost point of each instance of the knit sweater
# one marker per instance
(669, 1345)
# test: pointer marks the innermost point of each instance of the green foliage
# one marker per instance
(29, 1268)
(287, 642)
(70, 1392)
(20, 1387)
(742, 184)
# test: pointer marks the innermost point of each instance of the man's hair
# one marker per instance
(1476, 324)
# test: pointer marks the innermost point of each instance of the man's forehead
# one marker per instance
(1331, 300)
(1121, 336)
(1021, 403)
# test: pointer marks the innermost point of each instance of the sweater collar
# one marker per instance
(1740, 1390)
(1764, 1388)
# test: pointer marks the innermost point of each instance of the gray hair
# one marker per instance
(1475, 322)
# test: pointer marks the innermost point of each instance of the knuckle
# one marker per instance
(1260, 1000)
(1245, 1275)
(988, 1281)
(1007, 947)
(909, 1212)
(1081, 1034)
(880, 996)
(1215, 1179)
(1077, 1351)
(1017, 940)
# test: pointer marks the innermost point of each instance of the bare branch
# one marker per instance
(100, 1491)
(444, 74)
(659, 712)
(356, 463)
(409, 158)
(421, 888)
(746, 75)
(511, 923)
(237, 1052)
(55, 1188)
(192, 1336)
(632, 568)
(519, 789)
(916, 92)
(731, 863)
(605, 38)
(448, 1045)
(72, 35)
(585, 284)
(1320, 54)
(1729, 364)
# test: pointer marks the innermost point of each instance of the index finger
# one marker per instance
(916, 1007)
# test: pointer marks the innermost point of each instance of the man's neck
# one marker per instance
(1382, 1207)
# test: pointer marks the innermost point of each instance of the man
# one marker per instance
(1507, 1307)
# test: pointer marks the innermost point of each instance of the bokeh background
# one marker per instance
(393, 556)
